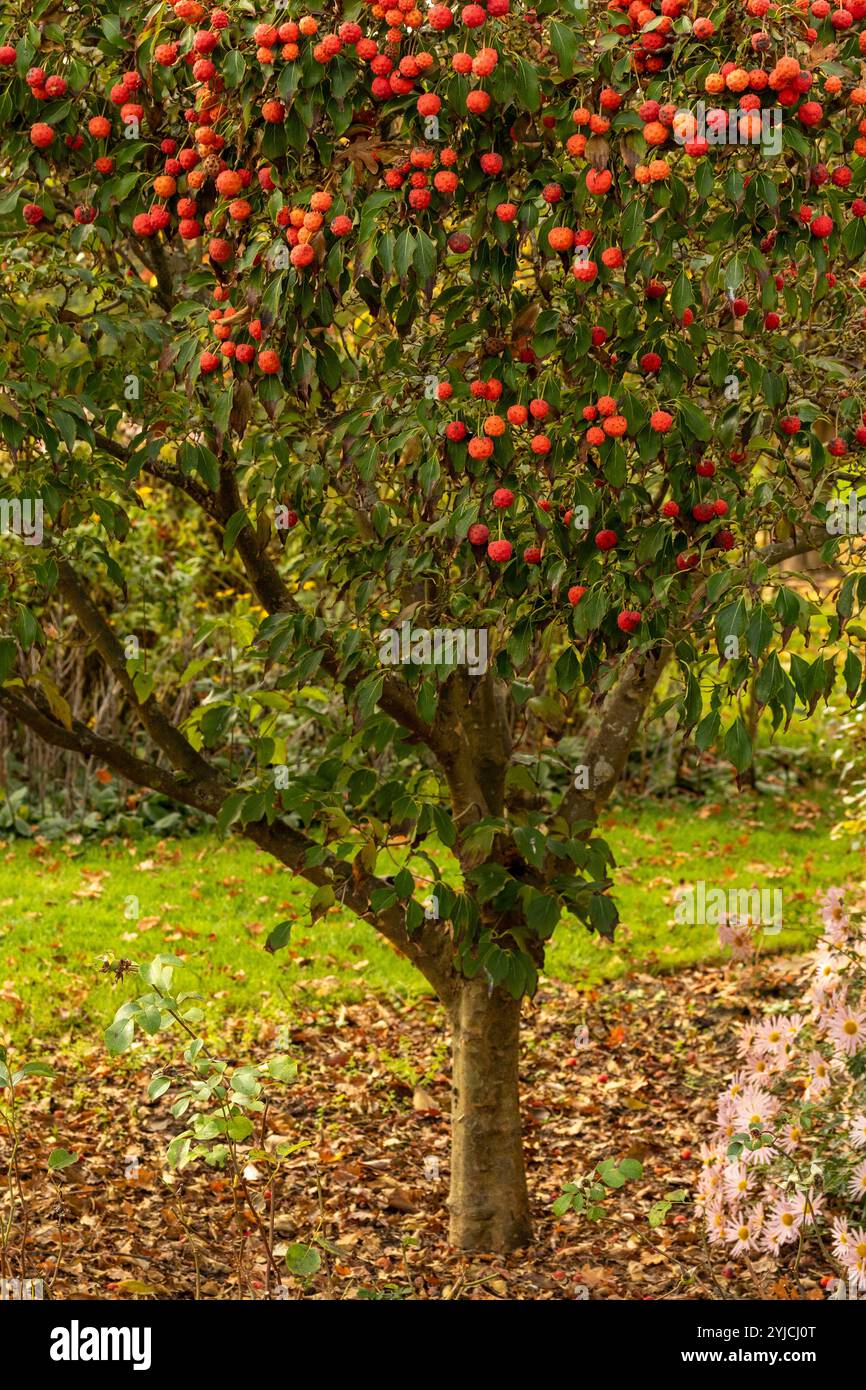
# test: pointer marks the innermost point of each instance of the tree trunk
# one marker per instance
(489, 1203)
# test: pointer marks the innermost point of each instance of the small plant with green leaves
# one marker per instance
(589, 1192)
(225, 1107)
(14, 1211)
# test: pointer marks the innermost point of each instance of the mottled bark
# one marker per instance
(489, 1203)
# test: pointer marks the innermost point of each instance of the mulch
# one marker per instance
(368, 1187)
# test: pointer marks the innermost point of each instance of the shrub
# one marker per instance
(787, 1163)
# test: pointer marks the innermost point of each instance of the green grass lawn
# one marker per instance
(62, 905)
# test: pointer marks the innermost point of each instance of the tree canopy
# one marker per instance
(543, 325)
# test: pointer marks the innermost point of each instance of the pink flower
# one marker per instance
(827, 968)
(847, 1030)
(836, 920)
(857, 1132)
(776, 1033)
(857, 1182)
(819, 1077)
(841, 1237)
(738, 1182)
(784, 1223)
(744, 1231)
(716, 1223)
(854, 1257)
(755, 1107)
(791, 1138)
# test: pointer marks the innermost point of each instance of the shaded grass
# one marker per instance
(62, 906)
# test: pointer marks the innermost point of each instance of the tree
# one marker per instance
(460, 323)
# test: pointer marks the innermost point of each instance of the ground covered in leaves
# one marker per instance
(630, 1072)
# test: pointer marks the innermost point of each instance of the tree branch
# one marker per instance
(169, 739)
(607, 751)
(429, 949)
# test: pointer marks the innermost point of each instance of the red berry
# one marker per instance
(628, 620)
(41, 135)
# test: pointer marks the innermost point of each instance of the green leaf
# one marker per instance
(704, 178)
(631, 1168)
(233, 68)
(239, 1127)
(527, 87)
(681, 294)
(734, 274)
(603, 915)
(632, 224)
(234, 526)
(118, 1036)
(775, 389)
(404, 252)
(303, 1261)
(695, 421)
(424, 258)
(279, 937)
(532, 845)
(854, 238)
(563, 41)
(738, 745)
(61, 1158)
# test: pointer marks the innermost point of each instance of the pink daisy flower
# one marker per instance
(827, 967)
(755, 1107)
(738, 1182)
(744, 1231)
(819, 1076)
(791, 1137)
(739, 936)
(841, 1237)
(784, 1223)
(835, 918)
(857, 1131)
(716, 1224)
(857, 1182)
(854, 1257)
(847, 1030)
